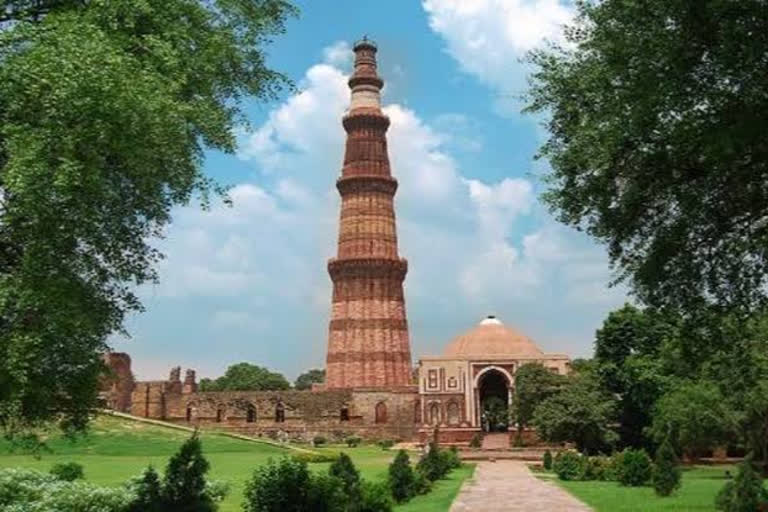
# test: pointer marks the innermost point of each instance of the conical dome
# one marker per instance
(491, 338)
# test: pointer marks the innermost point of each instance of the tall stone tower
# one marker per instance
(368, 335)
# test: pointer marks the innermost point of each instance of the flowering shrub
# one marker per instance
(32, 491)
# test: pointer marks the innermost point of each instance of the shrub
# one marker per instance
(634, 468)
(148, 492)
(421, 484)
(314, 458)
(591, 468)
(547, 460)
(67, 471)
(401, 478)
(319, 440)
(278, 485)
(433, 465)
(184, 486)
(386, 444)
(375, 498)
(324, 494)
(745, 493)
(25, 490)
(666, 473)
(352, 441)
(476, 441)
(347, 473)
(450, 459)
(567, 465)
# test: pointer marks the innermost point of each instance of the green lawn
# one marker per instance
(116, 450)
(697, 493)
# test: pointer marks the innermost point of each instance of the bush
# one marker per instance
(184, 485)
(401, 478)
(745, 493)
(314, 458)
(434, 465)
(591, 468)
(352, 441)
(567, 465)
(421, 484)
(386, 444)
(324, 494)
(347, 473)
(450, 459)
(25, 490)
(287, 485)
(666, 473)
(148, 492)
(375, 498)
(546, 461)
(476, 441)
(634, 468)
(67, 471)
(319, 440)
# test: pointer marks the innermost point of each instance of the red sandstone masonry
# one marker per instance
(368, 343)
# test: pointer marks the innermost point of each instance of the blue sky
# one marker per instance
(249, 283)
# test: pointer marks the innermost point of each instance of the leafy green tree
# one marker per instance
(401, 478)
(657, 145)
(666, 471)
(106, 108)
(628, 365)
(745, 493)
(306, 379)
(376, 497)
(634, 467)
(247, 377)
(344, 470)
(697, 417)
(496, 413)
(581, 413)
(148, 491)
(278, 485)
(533, 384)
(184, 485)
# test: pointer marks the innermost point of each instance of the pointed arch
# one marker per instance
(381, 412)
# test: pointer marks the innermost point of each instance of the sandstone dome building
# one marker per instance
(371, 389)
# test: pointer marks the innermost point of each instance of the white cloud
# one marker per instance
(473, 246)
(489, 37)
(339, 55)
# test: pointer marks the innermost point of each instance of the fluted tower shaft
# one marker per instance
(368, 343)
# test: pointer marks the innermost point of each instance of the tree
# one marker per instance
(627, 365)
(580, 413)
(344, 470)
(278, 485)
(246, 377)
(184, 486)
(148, 493)
(666, 472)
(656, 140)
(745, 493)
(401, 478)
(533, 384)
(105, 111)
(697, 417)
(306, 379)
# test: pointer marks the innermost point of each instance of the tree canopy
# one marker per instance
(657, 113)
(105, 110)
(306, 379)
(246, 377)
(533, 384)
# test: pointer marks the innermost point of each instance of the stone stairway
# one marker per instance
(496, 441)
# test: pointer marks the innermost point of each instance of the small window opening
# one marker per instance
(344, 415)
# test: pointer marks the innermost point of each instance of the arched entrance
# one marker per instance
(493, 395)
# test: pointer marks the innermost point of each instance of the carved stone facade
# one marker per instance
(368, 343)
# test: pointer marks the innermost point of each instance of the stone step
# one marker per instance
(526, 456)
(496, 441)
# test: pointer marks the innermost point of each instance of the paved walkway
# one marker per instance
(508, 485)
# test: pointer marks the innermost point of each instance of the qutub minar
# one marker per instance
(368, 342)
(370, 389)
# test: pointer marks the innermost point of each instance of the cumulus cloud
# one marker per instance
(488, 38)
(259, 265)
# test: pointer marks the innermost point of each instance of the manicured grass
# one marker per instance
(697, 493)
(116, 450)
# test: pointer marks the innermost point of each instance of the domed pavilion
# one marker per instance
(476, 369)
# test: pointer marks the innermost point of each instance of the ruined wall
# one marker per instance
(334, 414)
(118, 384)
